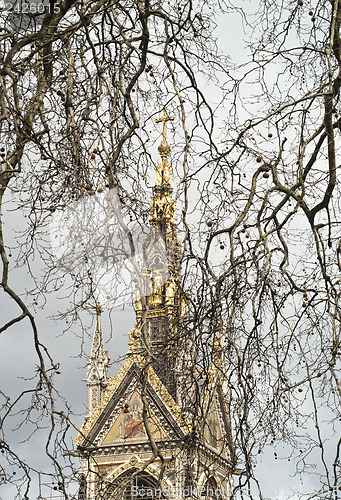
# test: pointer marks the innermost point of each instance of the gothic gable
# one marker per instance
(118, 417)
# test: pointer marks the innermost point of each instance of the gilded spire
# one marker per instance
(163, 205)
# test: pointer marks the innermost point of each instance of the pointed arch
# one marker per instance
(211, 490)
(143, 485)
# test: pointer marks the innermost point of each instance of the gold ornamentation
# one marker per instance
(134, 460)
(163, 176)
(134, 339)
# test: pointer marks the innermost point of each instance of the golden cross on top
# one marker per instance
(164, 119)
(98, 308)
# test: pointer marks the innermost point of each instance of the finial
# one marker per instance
(98, 309)
(164, 148)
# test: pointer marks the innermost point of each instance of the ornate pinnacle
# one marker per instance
(164, 147)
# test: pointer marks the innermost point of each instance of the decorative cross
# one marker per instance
(164, 119)
(98, 309)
